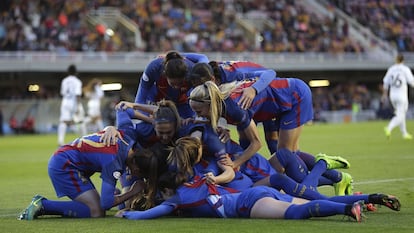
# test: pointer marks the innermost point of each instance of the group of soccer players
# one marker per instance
(179, 159)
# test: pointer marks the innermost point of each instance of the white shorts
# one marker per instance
(94, 108)
(71, 111)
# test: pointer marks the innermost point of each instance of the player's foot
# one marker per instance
(32, 211)
(333, 162)
(387, 132)
(389, 201)
(344, 187)
(356, 211)
(408, 136)
(368, 206)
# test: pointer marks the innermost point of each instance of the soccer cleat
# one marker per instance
(389, 201)
(387, 132)
(32, 211)
(333, 162)
(408, 136)
(344, 187)
(356, 211)
(368, 206)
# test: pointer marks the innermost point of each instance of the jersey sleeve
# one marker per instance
(196, 57)
(78, 90)
(107, 195)
(265, 77)
(148, 79)
(235, 115)
(163, 209)
(387, 80)
(410, 77)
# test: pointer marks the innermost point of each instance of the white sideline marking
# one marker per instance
(9, 215)
(384, 181)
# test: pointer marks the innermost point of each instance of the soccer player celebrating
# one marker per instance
(276, 101)
(72, 165)
(164, 78)
(190, 193)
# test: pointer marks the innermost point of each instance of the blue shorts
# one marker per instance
(249, 197)
(302, 108)
(67, 179)
(257, 168)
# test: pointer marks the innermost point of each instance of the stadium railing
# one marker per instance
(136, 61)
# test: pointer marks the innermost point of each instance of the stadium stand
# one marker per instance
(115, 39)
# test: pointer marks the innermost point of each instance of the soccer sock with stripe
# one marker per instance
(316, 208)
(73, 209)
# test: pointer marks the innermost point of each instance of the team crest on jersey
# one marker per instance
(116, 175)
(145, 77)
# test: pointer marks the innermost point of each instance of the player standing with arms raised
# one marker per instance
(395, 85)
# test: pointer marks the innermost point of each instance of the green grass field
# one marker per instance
(377, 165)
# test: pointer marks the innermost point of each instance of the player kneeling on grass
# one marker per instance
(72, 165)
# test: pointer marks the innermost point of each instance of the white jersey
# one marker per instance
(94, 102)
(70, 89)
(396, 80)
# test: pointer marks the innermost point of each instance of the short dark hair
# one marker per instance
(72, 70)
(176, 68)
(200, 73)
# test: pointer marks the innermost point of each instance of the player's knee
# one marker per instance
(97, 212)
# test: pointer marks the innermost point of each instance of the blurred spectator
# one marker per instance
(14, 125)
(343, 96)
(392, 21)
(191, 26)
(28, 125)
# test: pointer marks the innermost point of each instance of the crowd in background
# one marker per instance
(199, 26)
(209, 26)
(391, 20)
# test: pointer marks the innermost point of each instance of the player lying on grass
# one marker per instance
(195, 196)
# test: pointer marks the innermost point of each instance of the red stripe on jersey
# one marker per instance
(238, 91)
(234, 65)
(280, 83)
(85, 145)
(298, 109)
(74, 181)
(194, 204)
(257, 169)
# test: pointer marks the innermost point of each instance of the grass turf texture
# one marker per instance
(377, 165)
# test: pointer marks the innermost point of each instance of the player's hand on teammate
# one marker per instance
(110, 136)
(247, 97)
(225, 160)
(224, 134)
(123, 105)
(210, 178)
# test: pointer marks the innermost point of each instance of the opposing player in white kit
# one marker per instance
(71, 109)
(93, 91)
(395, 83)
